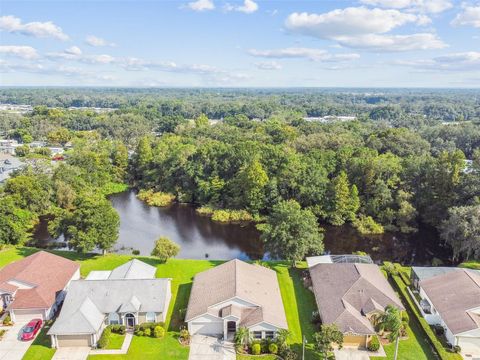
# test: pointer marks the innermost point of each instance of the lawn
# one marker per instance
(471, 265)
(257, 357)
(116, 341)
(143, 348)
(40, 348)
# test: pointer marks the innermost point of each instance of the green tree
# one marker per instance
(291, 233)
(15, 223)
(461, 230)
(165, 249)
(345, 201)
(22, 150)
(144, 153)
(243, 337)
(201, 121)
(60, 136)
(391, 321)
(250, 184)
(93, 223)
(324, 339)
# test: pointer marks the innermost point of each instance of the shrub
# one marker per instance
(205, 210)
(256, 349)
(272, 348)
(457, 349)
(147, 332)
(405, 317)
(158, 332)
(184, 334)
(105, 338)
(439, 330)
(7, 320)
(118, 329)
(374, 344)
(227, 215)
(2, 332)
(156, 198)
(139, 333)
(136, 252)
(288, 354)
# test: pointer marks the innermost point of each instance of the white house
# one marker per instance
(233, 295)
(450, 297)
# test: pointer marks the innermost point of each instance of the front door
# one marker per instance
(130, 320)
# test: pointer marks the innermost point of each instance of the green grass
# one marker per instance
(11, 254)
(116, 341)
(41, 347)
(471, 265)
(144, 348)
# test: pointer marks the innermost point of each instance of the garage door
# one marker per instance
(357, 341)
(470, 346)
(27, 315)
(73, 340)
(207, 328)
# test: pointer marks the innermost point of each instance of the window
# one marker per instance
(269, 334)
(257, 334)
(150, 317)
(113, 319)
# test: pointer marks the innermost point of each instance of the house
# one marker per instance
(349, 295)
(129, 295)
(8, 146)
(450, 297)
(233, 295)
(35, 286)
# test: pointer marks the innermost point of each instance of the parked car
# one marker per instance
(31, 329)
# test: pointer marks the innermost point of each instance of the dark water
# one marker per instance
(200, 237)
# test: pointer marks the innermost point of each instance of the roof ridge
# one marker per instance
(235, 282)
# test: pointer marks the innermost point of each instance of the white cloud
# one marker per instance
(470, 16)
(308, 53)
(268, 65)
(75, 54)
(201, 5)
(248, 7)
(464, 61)
(429, 6)
(349, 22)
(24, 52)
(364, 28)
(37, 29)
(93, 40)
(393, 43)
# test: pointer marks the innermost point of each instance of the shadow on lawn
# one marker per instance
(181, 302)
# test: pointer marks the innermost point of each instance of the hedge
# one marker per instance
(443, 353)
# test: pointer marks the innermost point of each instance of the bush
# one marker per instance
(105, 338)
(118, 329)
(457, 349)
(272, 348)
(156, 198)
(439, 330)
(227, 215)
(139, 333)
(7, 320)
(184, 335)
(158, 332)
(367, 226)
(405, 317)
(147, 332)
(374, 344)
(136, 252)
(288, 354)
(256, 349)
(205, 210)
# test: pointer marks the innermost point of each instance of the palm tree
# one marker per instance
(282, 337)
(391, 321)
(242, 337)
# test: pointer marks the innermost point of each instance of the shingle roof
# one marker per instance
(345, 293)
(45, 272)
(252, 283)
(108, 296)
(134, 269)
(452, 295)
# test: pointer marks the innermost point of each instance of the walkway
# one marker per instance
(210, 348)
(356, 354)
(123, 350)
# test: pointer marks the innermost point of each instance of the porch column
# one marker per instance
(225, 329)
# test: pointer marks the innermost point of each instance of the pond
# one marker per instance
(200, 237)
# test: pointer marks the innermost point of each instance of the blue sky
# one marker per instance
(242, 43)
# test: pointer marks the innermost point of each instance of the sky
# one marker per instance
(240, 43)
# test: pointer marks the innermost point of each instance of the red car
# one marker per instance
(31, 329)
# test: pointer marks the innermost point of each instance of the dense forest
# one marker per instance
(411, 158)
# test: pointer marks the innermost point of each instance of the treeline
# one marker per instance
(377, 104)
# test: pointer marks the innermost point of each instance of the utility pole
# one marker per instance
(304, 341)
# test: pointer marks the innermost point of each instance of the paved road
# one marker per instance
(11, 347)
(210, 348)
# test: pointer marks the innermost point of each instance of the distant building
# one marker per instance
(329, 118)
(7, 146)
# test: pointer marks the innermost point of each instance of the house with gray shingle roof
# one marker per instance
(450, 297)
(130, 295)
(348, 295)
(233, 295)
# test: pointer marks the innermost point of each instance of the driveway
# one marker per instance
(11, 347)
(71, 353)
(210, 348)
(351, 354)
